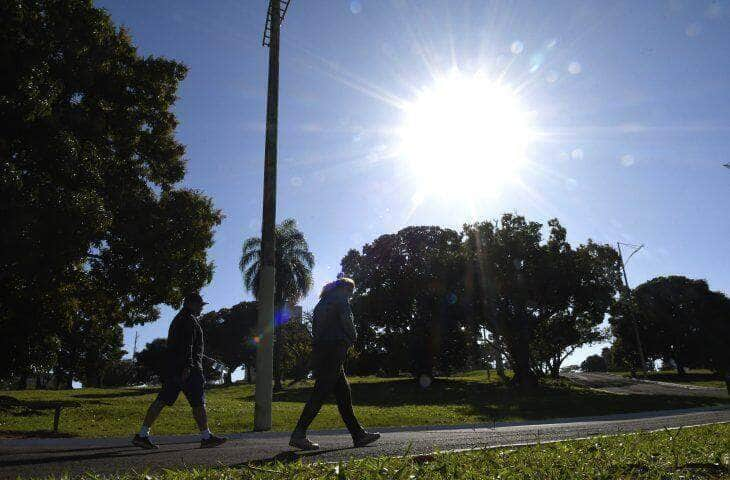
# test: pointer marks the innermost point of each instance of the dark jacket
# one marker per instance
(332, 321)
(184, 344)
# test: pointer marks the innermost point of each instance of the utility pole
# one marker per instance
(639, 347)
(264, 352)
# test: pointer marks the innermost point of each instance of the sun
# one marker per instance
(465, 134)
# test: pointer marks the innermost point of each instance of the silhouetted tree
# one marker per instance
(120, 374)
(92, 214)
(594, 363)
(542, 299)
(407, 303)
(296, 337)
(150, 361)
(229, 336)
(294, 263)
(679, 319)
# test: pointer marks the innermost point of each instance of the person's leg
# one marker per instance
(325, 378)
(167, 396)
(343, 394)
(322, 388)
(201, 418)
(153, 412)
(194, 390)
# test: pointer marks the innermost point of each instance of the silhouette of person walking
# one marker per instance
(182, 372)
(333, 333)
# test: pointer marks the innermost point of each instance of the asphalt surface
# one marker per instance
(611, 383)
(43, 457)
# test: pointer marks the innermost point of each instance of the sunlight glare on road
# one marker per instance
(465, 134)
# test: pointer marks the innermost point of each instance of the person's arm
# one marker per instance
(347, 320)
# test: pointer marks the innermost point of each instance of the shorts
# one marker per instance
(193, 388)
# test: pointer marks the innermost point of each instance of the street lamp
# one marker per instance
(267, 283)
(639, 347)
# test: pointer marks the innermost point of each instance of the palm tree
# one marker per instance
(294, 263)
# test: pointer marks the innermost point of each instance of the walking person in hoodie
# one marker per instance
(333, 333)
(182, 372)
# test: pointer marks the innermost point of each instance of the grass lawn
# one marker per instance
(689, 453)
(703, 378)
(459, 399)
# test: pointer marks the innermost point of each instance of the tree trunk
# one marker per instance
(680, 368)
(519, 348)
(228, 377)
(500, 368)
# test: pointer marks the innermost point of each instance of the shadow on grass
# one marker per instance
(17, 434)
(496, 402)
(288, 456)
(138, 392)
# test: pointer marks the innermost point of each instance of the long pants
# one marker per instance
(329, 373)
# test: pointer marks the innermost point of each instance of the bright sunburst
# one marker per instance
(465, 134)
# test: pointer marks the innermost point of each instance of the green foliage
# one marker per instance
(229, 336)
(296, 340)
(95, 232)
(294, 263)
(594, 363)
(407, 304)
(678, 319)
(542, 299)
(150, 361)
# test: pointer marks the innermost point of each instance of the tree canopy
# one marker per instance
(96, 230)
(542, 299)
(679, 320)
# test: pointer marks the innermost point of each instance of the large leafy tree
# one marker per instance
(594, 363)
(679, 319)
(294, 263)
(149, 362)
(407, 304)
(89, 168)
(296, 343)
(229, 336)
(542, 299)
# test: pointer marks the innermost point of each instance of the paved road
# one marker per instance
(42, 457)
(611, 383)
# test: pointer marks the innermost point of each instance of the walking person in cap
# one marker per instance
(182, 372)
(333, 333)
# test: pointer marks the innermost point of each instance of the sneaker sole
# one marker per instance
(311, 449)
(365, 444)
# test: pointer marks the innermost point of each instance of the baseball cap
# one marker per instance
(194, 298)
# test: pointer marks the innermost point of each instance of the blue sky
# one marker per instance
(628, 102)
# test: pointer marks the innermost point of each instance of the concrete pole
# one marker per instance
(264, 353)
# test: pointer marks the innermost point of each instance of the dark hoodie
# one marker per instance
(184, 344)
(332, 320)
